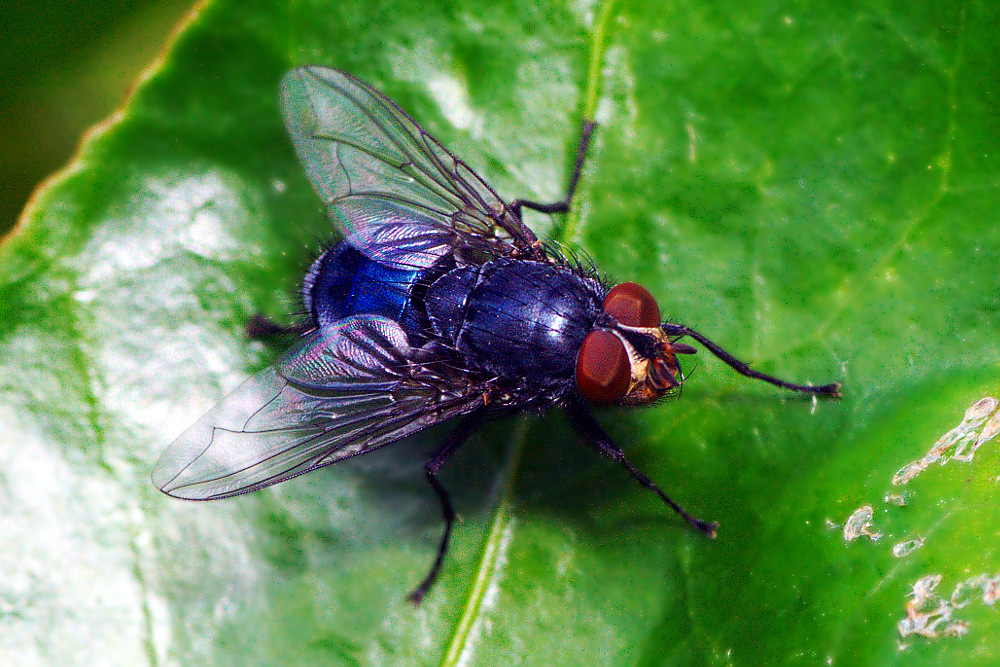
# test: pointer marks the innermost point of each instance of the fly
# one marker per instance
(438, 304)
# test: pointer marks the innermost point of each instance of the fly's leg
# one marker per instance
(465, 428)
(563, 205)
(832, 390)
(261, 327)
(588, 426)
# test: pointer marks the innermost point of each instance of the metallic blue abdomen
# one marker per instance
(343, 282)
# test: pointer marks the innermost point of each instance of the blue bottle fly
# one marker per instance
(438, 304)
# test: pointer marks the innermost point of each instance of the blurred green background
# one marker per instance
(63, 69)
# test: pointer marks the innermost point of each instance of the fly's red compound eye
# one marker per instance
(603, 370)
(632, 305)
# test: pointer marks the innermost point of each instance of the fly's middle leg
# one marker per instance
(588, 426)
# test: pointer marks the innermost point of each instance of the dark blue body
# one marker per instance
(515, 319)
(343, 282)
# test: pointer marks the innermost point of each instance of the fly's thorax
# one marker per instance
(514, 318)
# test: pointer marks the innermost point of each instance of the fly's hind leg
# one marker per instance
(261, 327)
(465, 428)
(562, 205)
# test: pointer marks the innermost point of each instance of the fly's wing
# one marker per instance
(398, 195)
(343, 390)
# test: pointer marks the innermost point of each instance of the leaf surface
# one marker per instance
(811, 187)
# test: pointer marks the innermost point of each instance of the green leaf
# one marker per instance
(813, 187)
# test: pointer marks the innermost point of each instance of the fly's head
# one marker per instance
(628, 358)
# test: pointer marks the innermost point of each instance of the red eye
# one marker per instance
(603, 370)
(632, 306)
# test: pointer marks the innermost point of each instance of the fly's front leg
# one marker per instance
(588, 426)
(465, 428)
(832, 390)
(563, 205)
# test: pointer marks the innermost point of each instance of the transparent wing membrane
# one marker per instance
(343, 391)
(397, 194)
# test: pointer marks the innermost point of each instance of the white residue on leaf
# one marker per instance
(901, 549)
(895, 499)
(860, 523)
(931, 615)
(961, 442)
